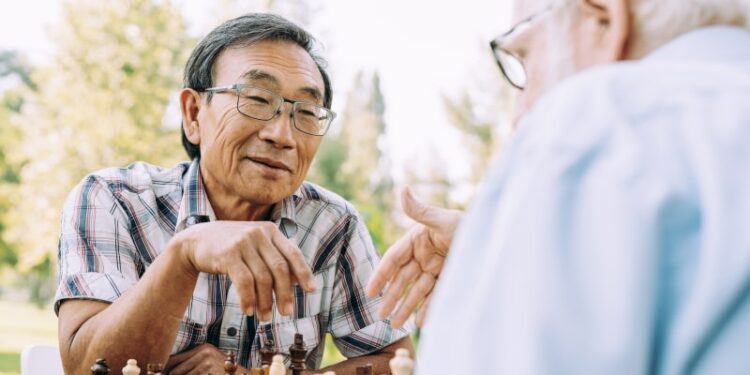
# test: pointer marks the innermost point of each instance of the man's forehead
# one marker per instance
(275, 63)
(255, 76)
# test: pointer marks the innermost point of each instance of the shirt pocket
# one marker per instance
(190, 335)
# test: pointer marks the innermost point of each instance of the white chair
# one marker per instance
(41, 360)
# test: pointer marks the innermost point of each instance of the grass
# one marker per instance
(23, 324)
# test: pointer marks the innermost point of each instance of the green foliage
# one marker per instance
(352, 160)
(11, 102)
(100, 104)
(479, 132)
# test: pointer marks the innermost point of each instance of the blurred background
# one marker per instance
(88, 84)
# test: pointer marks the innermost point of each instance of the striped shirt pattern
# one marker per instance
(118, 220)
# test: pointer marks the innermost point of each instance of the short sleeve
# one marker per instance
(96, 254)
(353, 318)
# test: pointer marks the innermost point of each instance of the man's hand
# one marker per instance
(201, 360)
(257, 257)
(414, 262)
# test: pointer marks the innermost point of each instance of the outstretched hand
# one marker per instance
(412, 265)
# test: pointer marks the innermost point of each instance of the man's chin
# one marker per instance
(268, 194)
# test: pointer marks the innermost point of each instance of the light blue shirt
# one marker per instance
(612, 236)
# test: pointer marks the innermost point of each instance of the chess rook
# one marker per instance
(298, 353)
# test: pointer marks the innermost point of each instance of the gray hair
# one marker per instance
(245, 31)
(656, 22)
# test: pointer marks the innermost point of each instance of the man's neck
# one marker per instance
(228, 206)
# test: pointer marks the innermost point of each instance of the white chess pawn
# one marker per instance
(131, 368)
(401, 364)
(277, 365)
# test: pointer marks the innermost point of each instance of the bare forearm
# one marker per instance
(142, 323)
(379, 360)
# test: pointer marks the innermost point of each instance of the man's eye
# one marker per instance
(258, 100)
(306, 113)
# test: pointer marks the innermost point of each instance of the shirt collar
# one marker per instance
(194, 197)
(195, 202)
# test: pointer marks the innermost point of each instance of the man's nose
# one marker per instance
(280, 129)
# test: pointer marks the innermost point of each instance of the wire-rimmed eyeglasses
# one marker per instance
(511, 65)
(264, 105)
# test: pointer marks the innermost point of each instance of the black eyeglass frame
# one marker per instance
(237, 87)
(496, 45)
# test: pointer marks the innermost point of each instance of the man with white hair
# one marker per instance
(610, 236)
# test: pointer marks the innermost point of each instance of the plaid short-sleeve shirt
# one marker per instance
(117, 221)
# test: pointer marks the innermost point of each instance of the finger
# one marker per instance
(419, 291)
(422, 313)
(178, 358)
(243, 279)
(395, 290)
(394, 258)
(203, 369)
(184, 362)
(296, 261)
(431, 216)
(279, 268)
(263, 280)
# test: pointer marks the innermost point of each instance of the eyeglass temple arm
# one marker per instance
(221, 88)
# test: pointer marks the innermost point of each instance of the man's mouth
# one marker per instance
(270, 163)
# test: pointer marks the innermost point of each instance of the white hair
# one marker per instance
(656, 22)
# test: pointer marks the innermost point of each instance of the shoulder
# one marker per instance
(319, 198)
(138, 177)
(649, 110)
(126, 183)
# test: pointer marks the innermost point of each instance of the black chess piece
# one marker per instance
(100, 367)
(297, 353)
(230, 365)
(154, 369)
(266, 353)
(365, 370)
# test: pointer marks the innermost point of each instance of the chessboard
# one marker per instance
(271, 364)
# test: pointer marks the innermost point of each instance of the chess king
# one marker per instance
(231, 250)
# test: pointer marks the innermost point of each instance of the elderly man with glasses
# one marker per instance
(610, 236)
(231, 251)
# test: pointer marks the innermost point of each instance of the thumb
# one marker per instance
(428, 215)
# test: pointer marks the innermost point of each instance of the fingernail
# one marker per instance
(288, 308)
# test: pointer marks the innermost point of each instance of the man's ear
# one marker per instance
(190, 105)
(614, 26)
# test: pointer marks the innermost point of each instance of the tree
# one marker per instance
(481, 113)
(100, 103)
(15, 72)
(353, 162)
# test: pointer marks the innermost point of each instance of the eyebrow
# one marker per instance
(260, 75)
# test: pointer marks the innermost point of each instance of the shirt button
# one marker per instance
(231, 331)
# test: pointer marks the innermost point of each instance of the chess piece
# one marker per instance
(100, 367)
(401, 364)
(154, 368)
(365, 370)
(298, 353)
(277, 365)
(266, 353)
(230, 366)
(131, 368)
